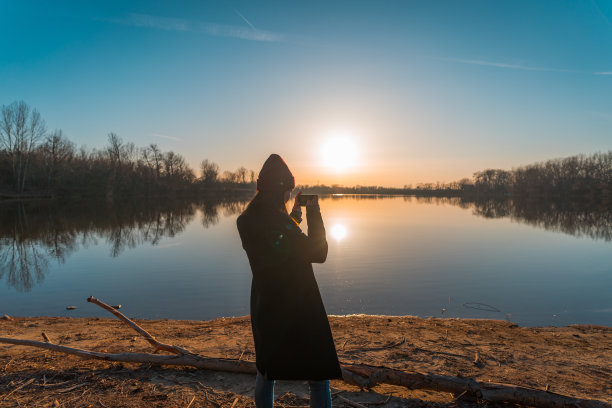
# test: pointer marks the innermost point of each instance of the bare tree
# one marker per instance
(153, 158)
(57, 150)
(176, 168)
(121, 154)
(21, 128)
(229, 177)
(210, 171)
(241, 174)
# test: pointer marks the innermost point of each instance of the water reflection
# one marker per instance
(23, 264)
(34, 233)
(338, 232)
(576, 219)
(580, 219)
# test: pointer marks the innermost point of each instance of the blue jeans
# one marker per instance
(320, 395)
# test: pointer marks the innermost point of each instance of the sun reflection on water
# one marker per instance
(338, 232)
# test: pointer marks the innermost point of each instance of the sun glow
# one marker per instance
(339, 152)
(338, 232)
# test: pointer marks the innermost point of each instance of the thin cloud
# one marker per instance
(243, 33)
(504, 65)
(521, 67)
(218, 30)
(176, 139)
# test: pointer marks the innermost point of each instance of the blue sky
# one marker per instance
(428, 90)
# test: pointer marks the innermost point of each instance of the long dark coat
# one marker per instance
(293, 340)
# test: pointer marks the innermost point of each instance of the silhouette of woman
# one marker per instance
(293, 340)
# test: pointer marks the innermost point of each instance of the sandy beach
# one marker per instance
(572, 360)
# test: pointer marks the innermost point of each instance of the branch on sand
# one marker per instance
(360, 375)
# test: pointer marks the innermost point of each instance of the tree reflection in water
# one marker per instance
(579, 219)
(32, 233)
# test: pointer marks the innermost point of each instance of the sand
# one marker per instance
(574, 360)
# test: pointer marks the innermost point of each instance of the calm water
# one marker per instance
(533, 265)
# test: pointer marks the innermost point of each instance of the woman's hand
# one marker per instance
(314, 203)
(296, 204)
(296, 211)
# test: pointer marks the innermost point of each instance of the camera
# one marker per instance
(304, 198)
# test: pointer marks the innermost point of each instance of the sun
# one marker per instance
(339, 152)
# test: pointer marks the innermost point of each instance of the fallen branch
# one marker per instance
(360, 375)
(491, 392)
(193, 360)
(363, 376)
(158, 345)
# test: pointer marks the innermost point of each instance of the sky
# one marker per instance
(421, 91)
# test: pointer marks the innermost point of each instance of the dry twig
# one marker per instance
(74, 387)
(351, 403)
(25, 384)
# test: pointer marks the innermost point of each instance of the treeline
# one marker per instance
(575, 177)
(581, 177)
(36, 161)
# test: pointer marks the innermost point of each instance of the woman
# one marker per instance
(293, 340)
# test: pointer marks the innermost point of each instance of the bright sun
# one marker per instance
(339, 152)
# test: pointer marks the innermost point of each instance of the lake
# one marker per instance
(532, 264)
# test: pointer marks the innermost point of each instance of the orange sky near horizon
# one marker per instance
(370, 169)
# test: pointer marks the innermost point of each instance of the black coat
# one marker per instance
(293, 340)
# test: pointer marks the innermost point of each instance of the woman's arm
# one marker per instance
(316, 234)
(311, 247)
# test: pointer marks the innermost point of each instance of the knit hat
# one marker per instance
(275, 175)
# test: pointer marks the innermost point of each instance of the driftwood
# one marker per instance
(363, 376)
(158, 345)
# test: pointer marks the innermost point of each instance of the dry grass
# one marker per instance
(570, 360)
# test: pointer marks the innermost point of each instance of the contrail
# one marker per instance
(176, 139)
(245, 19)
(600, 13)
